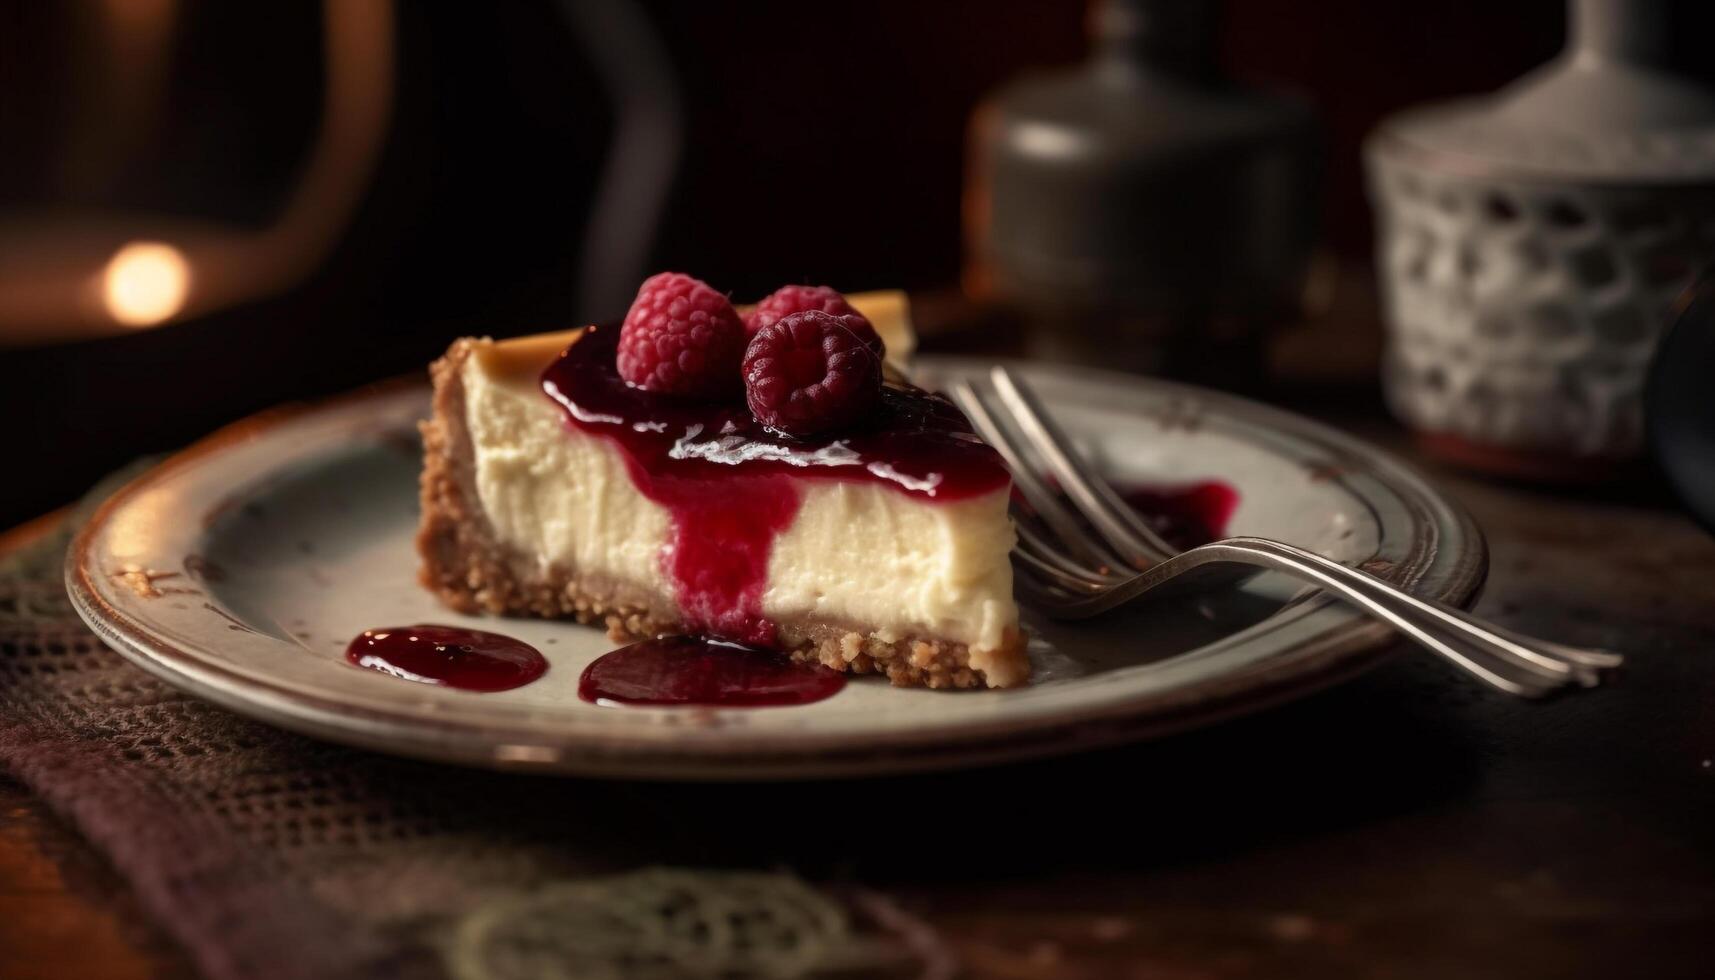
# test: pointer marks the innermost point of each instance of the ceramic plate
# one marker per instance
(240, 569)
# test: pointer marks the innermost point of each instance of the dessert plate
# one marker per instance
(241, 568)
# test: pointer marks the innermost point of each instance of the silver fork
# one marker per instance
(1082, 561)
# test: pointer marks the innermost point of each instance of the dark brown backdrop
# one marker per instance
(824, 143)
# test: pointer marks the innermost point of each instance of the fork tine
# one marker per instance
(1045, 573)
(1089, 549)
(1032, 540)
(1049, 599)
(1097, 501)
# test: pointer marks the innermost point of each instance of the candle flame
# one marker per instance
(146, 283)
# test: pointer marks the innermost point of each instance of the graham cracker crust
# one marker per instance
(470, 571)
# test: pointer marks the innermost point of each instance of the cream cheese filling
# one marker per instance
(857, 553)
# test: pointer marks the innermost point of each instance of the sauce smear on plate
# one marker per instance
(448, 656)
(687, 670)
(1185, 516)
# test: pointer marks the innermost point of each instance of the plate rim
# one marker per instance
(1319, 661)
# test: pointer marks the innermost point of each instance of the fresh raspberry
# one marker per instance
(809, 372)
(797, 299)
(680, 337)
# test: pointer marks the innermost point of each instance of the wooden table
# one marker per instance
(1406, 824)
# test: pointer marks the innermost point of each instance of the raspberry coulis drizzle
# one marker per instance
(685, 455)
(683, 670)
(448, 656)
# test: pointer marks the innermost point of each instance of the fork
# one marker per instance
(1098, 554)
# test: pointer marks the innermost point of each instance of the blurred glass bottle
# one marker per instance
(1140, 210)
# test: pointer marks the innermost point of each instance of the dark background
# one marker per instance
(824, 142)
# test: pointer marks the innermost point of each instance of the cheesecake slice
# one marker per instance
(552, 488)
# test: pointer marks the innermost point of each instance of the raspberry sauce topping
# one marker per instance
(687, 671)
(728, 481)
(448, 656)
(912, 441)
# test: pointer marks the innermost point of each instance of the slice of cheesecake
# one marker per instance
(552, 488)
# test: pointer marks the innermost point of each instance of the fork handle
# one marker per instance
(1500, 658)
(1541, 657)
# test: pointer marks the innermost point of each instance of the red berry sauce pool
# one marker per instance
(1185, 516)
(685, 456)
(682, 670)
(449, 656)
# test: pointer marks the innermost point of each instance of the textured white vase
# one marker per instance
(1530, 242)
